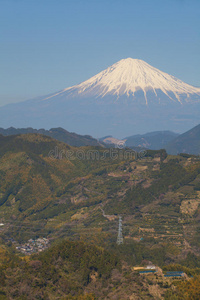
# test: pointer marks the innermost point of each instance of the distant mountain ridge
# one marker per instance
(188, 142)
(152, 140)
(59, 134)
(174, 143)
(127, 98)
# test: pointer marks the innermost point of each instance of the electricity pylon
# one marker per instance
(120, 236)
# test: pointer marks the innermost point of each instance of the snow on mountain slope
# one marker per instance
(128, 76)
(128, 98)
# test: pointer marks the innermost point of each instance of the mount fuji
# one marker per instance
(127, 98)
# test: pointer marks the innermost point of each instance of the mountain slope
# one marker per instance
(74, 271)
(153, 140)
(188, 142)
(128, 76)
(59, 134)
(81, 197)
(130, 97)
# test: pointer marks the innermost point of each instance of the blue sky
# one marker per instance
(48, 45)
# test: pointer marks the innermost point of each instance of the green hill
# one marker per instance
(76, 271)
(78, 193)
(51, 190)
(64, 269)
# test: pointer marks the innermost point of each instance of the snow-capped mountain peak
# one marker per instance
(128, 76)
(129, 97)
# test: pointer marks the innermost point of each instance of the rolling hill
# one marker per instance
(51, 190)
(48, 188)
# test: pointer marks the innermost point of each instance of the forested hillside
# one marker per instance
(52, 191)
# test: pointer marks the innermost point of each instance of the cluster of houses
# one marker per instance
(34, 246)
